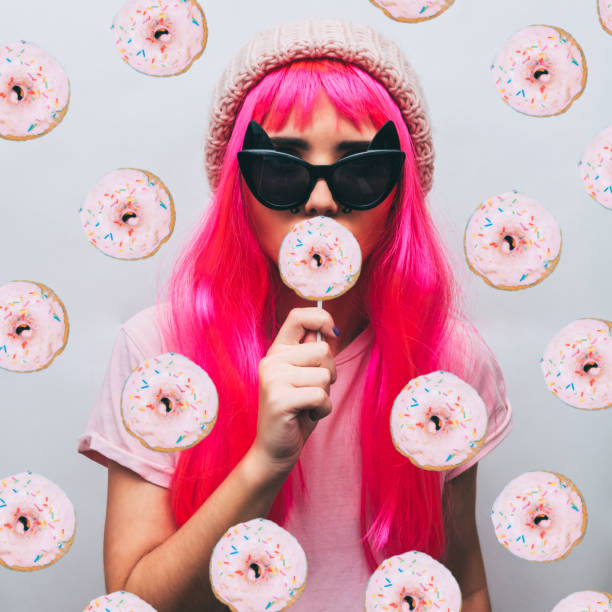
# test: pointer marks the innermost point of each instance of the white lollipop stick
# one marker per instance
(327, 239)
(319, 305)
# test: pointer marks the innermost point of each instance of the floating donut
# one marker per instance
(169, 403)
(585, 601)
(540, 71)
(539, 516)
(119, 601)
(258, 565)
(37, 522)
(596, 167)
(512, 241)
(412, 10)
(438, 421)
(412, 581)
(577, 364)
(604, 9)
(128, 214)
(33, 326)
(160, 38)
(34, 91)
(319, 259)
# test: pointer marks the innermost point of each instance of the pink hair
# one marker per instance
(223, 289)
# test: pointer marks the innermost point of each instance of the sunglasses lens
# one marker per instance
(277, 180)
(362, 181)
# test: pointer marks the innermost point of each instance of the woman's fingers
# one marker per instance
(301, 321)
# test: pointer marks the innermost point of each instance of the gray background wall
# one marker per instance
(121, 118)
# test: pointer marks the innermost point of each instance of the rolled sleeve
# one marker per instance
(106, 437)
(486, 377)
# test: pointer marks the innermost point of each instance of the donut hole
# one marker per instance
(591, 367)
(23, 524)
(129, 216)
(161, 32)
(435, 423)
(539, 72)
(254, 571)
(316, 261)
(19, 92)
(511, 242)
(410, 601)
(23, 330)
(165, 405)
(541, 519)
(25, 521)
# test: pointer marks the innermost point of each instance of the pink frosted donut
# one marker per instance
(438, 421)
(319, 259)
(119, 601)
(258, 565)
(37, 522)
(605, 14)
(540, 71)
(160, 38)
(412, 581)
(33, 326)
(585, 601)
(512, 241)
(539, 516)
(34, 91)
(596, 167)
(128, 214)
(169, 403)
(577, 364)
(412, 10)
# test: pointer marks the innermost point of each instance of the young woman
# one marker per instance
(321, 91)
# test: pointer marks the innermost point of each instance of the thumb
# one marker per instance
(310, 336)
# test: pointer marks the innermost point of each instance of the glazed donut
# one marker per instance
(540, 71)
(438, 421)
(128, 214)
(539, 516)
(596, 168)
(412, 10)
(37, 522)
(169, 403)
(605, 14)
(258, 565)
(119, 601)
(413, 581)
(577, 364)
(585, 601)
(512, 241)
(319, 259)
(34, 91)
(160, 39)
(33, 326)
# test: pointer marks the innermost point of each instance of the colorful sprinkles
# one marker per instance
(546, 67)
(319, 258)
(160, 39)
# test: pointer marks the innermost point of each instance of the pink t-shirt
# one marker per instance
(327, 523)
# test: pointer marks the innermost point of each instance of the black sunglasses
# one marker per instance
(282, 181)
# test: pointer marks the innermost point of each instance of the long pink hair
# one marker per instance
(223, 289)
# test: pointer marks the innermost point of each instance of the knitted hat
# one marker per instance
(328, 38)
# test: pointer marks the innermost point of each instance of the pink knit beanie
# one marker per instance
(310, 38)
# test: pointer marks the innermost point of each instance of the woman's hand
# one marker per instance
(294, 382)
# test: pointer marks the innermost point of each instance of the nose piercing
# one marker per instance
(346, 209)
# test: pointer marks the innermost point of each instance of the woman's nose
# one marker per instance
(321, 200)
